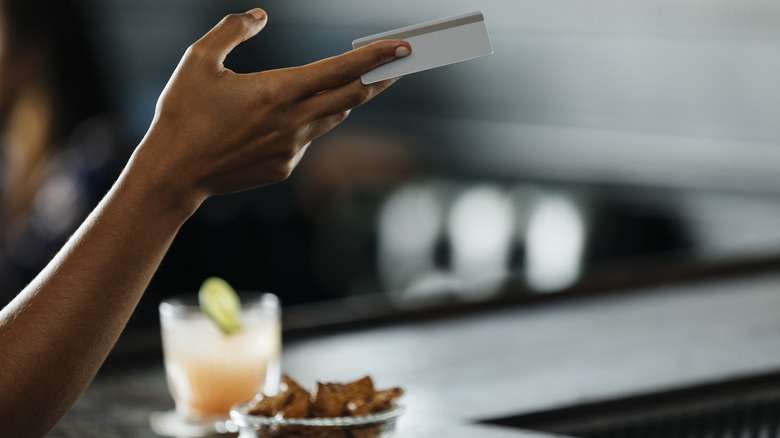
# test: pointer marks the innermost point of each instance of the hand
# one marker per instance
(216, 131)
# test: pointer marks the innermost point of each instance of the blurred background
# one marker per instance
(603, 143)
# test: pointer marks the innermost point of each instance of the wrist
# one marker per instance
(158, 187)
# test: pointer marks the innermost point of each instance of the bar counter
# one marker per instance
(464, 370)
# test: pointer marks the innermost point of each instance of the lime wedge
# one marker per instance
(221, 304)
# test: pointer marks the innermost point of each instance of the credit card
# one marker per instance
(434, 44)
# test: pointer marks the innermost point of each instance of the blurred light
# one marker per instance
(555, 240)
(481, 228)
(410, 223)
(58, 205)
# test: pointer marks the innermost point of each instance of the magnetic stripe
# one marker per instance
(425, 29)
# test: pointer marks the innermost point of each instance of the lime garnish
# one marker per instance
(221, 304)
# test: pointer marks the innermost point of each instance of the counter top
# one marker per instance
(463, 370)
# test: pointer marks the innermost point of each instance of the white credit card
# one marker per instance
(434, 44)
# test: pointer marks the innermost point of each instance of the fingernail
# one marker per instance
(257, 13)
(402, 51)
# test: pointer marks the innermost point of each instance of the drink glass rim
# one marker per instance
(186, 304)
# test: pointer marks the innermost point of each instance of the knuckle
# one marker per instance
(340, 117)
(379, 58)
(233, 20)
(283, 169)
(342, 75)
(296, 129)
(273, 88)
(361, 95)
(197, 50)
(381, 53)
(265, 94)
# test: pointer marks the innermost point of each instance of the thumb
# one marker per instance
(230, 32)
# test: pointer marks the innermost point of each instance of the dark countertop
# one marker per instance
(459, 371)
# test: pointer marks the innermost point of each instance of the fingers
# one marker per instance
(344, 98)
(230, 32)
(339, 70)
(325, 124)
(340, 88)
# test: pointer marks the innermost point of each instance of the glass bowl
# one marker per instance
(376, 425)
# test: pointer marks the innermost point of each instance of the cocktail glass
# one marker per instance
(209, 371)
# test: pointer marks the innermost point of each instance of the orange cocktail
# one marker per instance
(209, 371)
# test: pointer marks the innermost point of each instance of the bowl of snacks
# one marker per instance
(330, 410)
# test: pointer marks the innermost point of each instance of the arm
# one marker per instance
(214, 132)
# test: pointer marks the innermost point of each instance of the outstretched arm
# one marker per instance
(214, 132)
